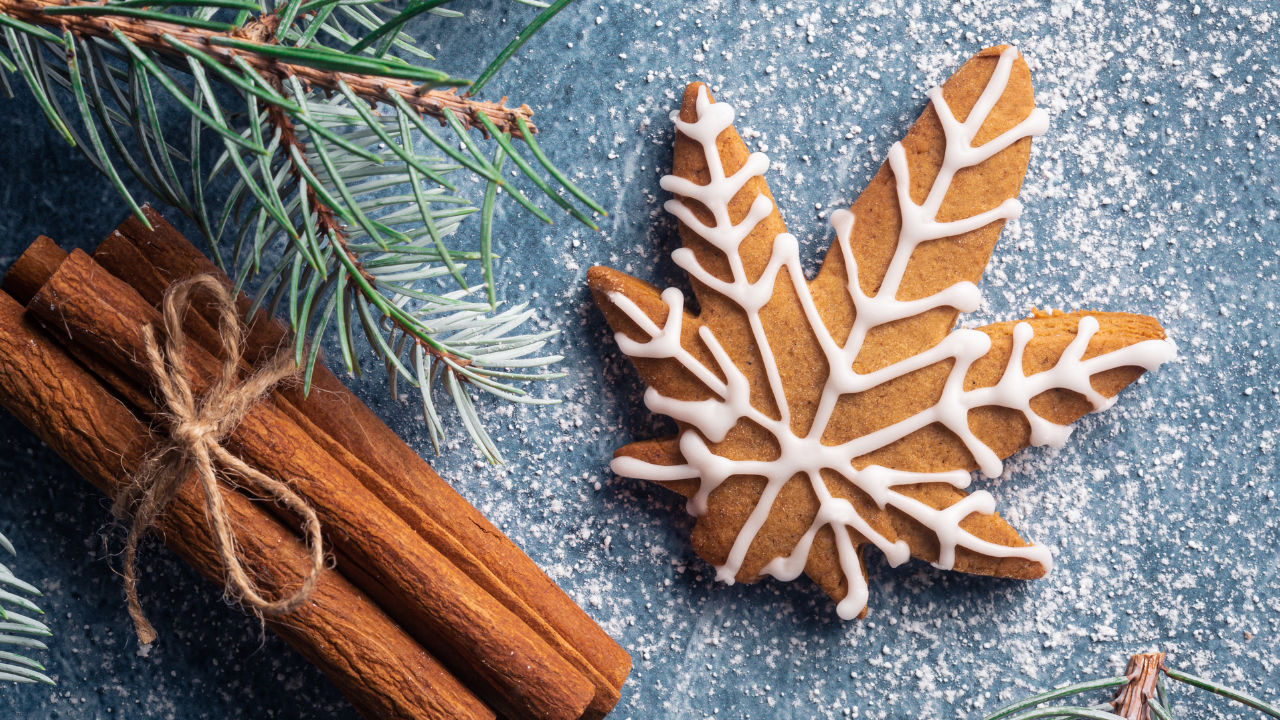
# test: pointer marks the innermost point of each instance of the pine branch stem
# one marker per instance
(149, 34)
(1141, 695)
(327, 224)
(1132, 700)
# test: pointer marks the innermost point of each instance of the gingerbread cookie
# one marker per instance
(817, 418)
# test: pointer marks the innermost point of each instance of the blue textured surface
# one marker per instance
(1155, 191)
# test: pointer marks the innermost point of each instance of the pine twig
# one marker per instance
(1131, 700)
(150, 34)
(327, 224)
(1141, 695)
(336, 212)
(19, 631)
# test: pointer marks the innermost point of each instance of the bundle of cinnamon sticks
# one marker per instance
(431, 612)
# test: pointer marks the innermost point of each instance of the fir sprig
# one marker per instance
(344, 211)
(1143, 681)
(18, 630)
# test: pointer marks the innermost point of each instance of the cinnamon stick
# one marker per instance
(383, 672)
(24, 279)
(477, 637)
(150, 260)
(33, 268)
(40, 261)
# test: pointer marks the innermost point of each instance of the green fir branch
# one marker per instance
(1057, 694)
(1159, 704)
(344, 207)
(18, 630)
(1241, 697)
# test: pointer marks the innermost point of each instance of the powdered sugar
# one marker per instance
(1143, 498)
(1139, 528)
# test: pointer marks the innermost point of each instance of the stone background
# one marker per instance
(1155, 191)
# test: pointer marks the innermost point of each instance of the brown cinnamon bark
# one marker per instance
(473, 634)
(150, 260)
(382, 671)
(24, 279)
(120, 256)
(33, 268)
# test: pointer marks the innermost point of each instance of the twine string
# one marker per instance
(196, 428)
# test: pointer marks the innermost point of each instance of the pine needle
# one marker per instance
(335, 217)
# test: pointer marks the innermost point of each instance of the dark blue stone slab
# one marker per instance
(1155, 191)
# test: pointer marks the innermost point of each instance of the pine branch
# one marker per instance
(334, 214)
(328, 224)
(372, 81)
(1140, 694)
(17, 629)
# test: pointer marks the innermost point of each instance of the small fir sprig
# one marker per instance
(345, 154)
(18, 630)
(1141, 694)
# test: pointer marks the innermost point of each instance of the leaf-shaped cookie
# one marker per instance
(819, 417)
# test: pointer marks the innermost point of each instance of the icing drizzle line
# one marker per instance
(713, 418)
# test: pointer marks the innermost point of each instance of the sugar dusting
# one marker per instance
(1163, 514)
(1154, 191)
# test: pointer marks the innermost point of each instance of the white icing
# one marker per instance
(713, 418)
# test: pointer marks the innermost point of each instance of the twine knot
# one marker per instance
(196, 428)
(190, 433)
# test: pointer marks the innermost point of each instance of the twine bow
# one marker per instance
(196, 429)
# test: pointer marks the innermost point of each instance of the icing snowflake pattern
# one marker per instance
(713, 418)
